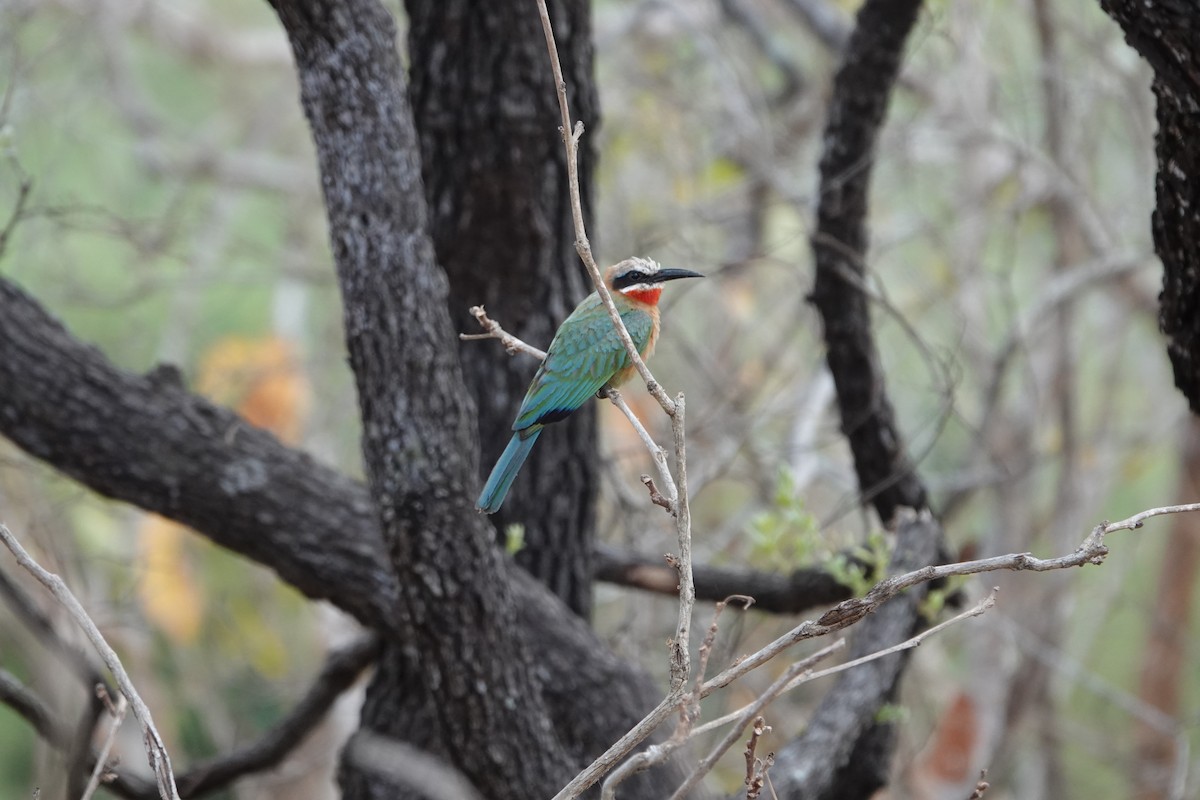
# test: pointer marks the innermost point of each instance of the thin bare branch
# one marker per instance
(570, 136)
(156, 751)
(511, 343)
(744, 715)
(117, 712)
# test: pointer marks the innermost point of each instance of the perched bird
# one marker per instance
(585, 356)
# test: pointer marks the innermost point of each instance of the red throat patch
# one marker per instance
(647, 296)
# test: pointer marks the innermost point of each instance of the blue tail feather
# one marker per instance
(506, 469)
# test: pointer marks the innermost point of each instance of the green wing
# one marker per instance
(585, 354)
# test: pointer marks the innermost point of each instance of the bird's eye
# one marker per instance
(635, 276)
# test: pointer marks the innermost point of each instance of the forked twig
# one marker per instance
(156, 751)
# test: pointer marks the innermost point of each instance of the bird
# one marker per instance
(585, 356)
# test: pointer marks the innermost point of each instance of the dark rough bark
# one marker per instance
(495, 176)
(147, 441)
(861, 92)
(458, 644)
(1167, 34)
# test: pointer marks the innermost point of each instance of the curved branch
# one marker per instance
(861, 92)
(147, 441)
(776, 593)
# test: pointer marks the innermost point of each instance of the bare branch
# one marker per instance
(1091, 551)
(570, 136)
(657, 498)
(156, 751)
(117, 712)
(511, 343)
(778, 593)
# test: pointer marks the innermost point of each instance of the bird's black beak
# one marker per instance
(672, 274)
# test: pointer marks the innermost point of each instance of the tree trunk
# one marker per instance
(458, 657)
(495, 177)
(1167, 35)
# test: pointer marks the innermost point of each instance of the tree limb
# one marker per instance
(773, 592)
(1166, 35)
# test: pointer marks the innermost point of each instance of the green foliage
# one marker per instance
(862, 565)
(935, 600)
(514, 538)
(787, 537)
(892, 713)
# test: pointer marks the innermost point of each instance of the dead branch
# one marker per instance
(156, 751)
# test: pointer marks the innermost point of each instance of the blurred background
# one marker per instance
(175, 216)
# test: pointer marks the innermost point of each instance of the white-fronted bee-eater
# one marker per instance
(585, 356)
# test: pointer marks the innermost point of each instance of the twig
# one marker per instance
(800, 673)
(980, 787)
(1091, 551)
(744, 715)
(979, 608)
(570, 137)
(689, 711)
(117, 712)
(156, 751)
(657, 498)
(681, 657)
(756, 768)
(511, 343)
(656, 453)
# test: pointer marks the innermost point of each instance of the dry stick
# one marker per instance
(745, 715)
(570, 136)
(156, 751)
(117, 713)
(680, 651)
(756, 768)
(514, 345)
(1091, 551)
(689, 711)
(800, 673)
(511, 343)
(979, 608)
(680, 657)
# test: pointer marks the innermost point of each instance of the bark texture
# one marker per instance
(495, 177)
(1167, 34)
(457, 643)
